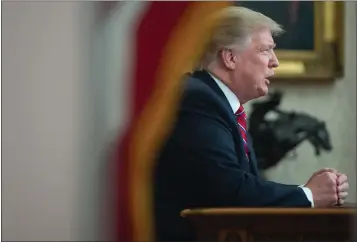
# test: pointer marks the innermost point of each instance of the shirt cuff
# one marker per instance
(308, 194)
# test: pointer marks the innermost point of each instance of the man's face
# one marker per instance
(254, 65)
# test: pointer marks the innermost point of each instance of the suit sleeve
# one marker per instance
(207, 151)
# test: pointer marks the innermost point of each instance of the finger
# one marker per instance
(342, 195)
(341, 178)
(341, 201)
(343, 187)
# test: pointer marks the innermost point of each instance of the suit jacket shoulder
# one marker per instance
(203, 96)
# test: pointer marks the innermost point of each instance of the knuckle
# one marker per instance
(343, 187)
(344, 178)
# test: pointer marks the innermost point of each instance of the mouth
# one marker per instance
(267, 82)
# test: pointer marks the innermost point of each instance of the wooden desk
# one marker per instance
(272, 224)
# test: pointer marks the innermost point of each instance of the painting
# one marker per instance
(311, 47)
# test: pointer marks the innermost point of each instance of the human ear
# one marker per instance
(228, 58)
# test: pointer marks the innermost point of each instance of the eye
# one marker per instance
(265, 49)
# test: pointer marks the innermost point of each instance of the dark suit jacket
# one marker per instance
(203, 164)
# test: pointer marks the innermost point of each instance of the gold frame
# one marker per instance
(325, 62)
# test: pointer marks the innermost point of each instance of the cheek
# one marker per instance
(263, 64)
(261, 70)
(259, 64)
(254, 69)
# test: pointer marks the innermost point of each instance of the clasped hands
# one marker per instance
(328, 187)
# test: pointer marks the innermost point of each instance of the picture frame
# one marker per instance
(312, 46)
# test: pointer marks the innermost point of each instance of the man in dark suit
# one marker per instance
(208, 160)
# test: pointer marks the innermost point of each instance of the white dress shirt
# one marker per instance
(235, 104)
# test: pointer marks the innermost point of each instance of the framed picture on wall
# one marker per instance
(311, 47)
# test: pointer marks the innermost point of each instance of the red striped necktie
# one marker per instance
(242, 123)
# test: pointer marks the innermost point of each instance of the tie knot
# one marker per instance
(240, 111)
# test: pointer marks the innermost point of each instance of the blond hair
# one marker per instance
(233, 26)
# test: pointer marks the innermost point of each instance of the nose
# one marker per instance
(274, 63)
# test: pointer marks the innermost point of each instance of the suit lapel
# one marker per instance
(207, 79)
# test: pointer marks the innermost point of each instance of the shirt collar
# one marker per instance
(231, 97)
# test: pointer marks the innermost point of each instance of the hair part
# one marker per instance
(234, 26)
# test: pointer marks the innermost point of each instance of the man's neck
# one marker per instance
(217, 72)
(231, 97)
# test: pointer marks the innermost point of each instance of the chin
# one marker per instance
(263, 91)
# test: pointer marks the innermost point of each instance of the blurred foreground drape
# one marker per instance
(169, 39)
